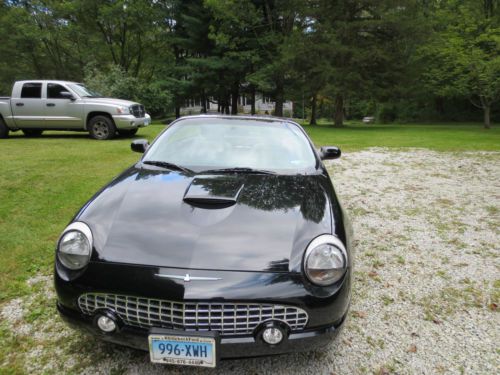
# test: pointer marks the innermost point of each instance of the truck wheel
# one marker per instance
(4, 130)
(127, 132)
(32, 133)
(102, 128)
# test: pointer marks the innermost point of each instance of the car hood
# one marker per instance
(243, 222)
(110, 101)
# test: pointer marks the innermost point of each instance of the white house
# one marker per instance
(263, 105)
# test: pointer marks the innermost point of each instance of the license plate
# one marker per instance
(146, 122)
(183, 350)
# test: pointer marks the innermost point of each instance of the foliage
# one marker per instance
(116, 83)
(396, 59)
(463, 58)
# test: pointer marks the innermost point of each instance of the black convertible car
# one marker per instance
(225, 240)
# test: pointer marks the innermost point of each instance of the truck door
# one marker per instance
(62, 112)
(28, 109)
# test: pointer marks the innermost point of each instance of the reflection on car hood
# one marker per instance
(239, 222)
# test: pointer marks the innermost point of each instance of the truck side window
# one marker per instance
(54, 91)
(32, 90)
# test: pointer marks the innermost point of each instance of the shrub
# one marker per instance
(114, 82)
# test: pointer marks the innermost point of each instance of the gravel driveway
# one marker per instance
(427, 281)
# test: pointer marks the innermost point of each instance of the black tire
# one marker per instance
(101, 128)
(4, 130)
(32, 133)
(128, 132)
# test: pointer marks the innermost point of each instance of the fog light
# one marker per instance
(106, 324)
(272, 335)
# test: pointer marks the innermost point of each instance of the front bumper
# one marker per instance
(326, 313)
(131, 122)
(230, 347)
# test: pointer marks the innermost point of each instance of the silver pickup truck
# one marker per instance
(36, 106)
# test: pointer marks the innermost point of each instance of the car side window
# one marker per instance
(32, 90)
(54, 91)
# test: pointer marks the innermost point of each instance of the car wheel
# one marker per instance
(32, 133)
(4, 130)
(127, 132)
(102, 128)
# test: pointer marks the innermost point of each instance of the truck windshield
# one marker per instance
(234, 144)
(83, 91)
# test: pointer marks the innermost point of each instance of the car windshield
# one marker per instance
(83, 91)
(206, 144)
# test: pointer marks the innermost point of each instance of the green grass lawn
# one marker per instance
(441, 137)
(44, 181)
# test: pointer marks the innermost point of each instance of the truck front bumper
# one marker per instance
(131, 122)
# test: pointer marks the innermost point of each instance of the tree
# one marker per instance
(235, 44)
(364, 44)
(463, 59)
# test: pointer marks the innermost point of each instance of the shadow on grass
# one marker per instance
(75, 135)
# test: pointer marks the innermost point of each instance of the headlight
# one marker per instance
(75, 246)
(325, 260)
(123, 110)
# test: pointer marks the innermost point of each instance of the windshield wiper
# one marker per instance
(239, 170)
(166, 164)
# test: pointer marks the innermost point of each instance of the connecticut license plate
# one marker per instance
(183, 350)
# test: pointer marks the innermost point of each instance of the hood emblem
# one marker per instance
(187, 278)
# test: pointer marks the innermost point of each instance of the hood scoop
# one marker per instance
(213, 191)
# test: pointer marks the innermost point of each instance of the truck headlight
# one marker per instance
(325, 260)
(75, 246)
(123, 110)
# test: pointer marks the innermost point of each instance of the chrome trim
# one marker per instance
(81, 227)
(187, 278)
(237, 318)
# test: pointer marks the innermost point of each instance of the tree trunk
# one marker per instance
(203, 102)
(252, 110)
(278, 107)
(177, 111)
(339, 111)
(234, 98)
(313, 110)
(487, 123)
(227, 104)
(439, 101)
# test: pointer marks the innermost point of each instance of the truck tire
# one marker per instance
(101, 128)
(4, 130)
(32, 133)
(127, 132)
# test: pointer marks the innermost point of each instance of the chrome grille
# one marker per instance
(227, 318)
(138, 110)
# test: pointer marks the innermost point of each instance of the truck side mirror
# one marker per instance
(139, 145)
(329, 152)
(66, 95)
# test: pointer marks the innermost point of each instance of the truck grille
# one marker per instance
(227, 318)
(138, 110)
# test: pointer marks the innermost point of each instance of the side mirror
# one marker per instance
(66, 95)
(139, 145)
(329, 152)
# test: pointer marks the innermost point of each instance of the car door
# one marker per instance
(28, 109)
(62, 112)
